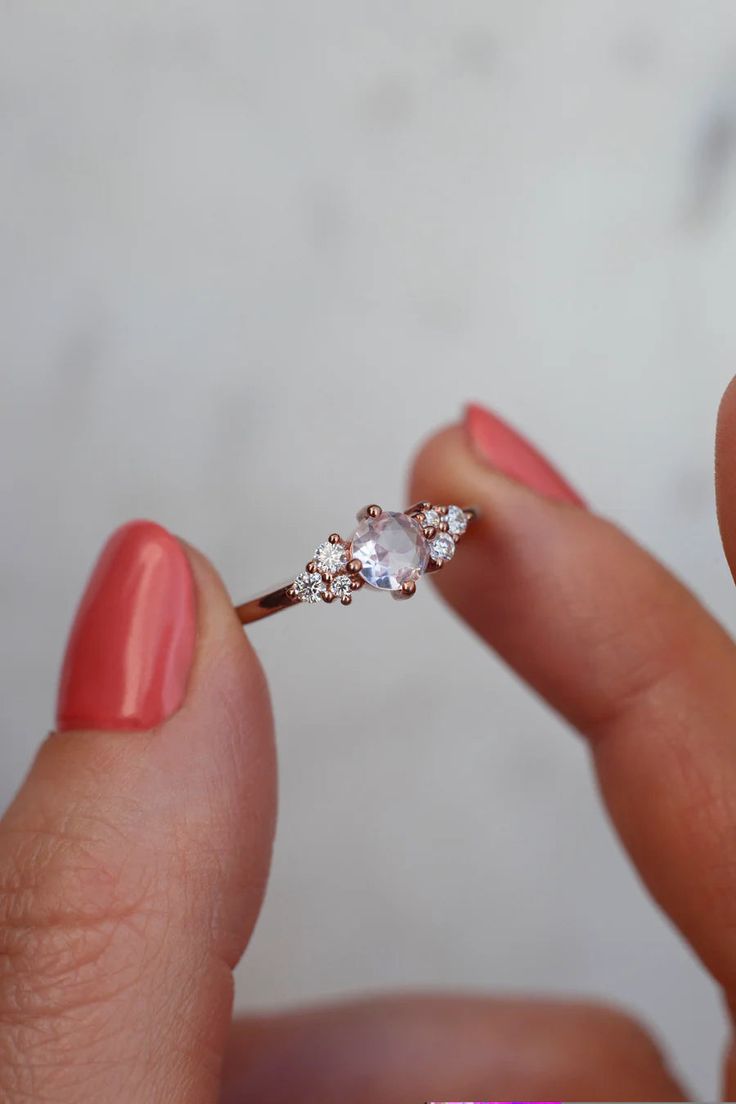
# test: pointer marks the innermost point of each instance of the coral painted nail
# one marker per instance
(132, 642)
(503, 448)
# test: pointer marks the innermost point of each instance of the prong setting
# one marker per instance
(372, 510)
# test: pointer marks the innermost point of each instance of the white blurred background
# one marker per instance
(214, 217)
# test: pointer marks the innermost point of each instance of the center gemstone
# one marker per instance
(392, 550)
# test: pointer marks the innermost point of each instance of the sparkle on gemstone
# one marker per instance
(341, 586)
(431, 517)
(331, 558)
(456, 520)
(392, 549)
(442, 548)
(309, 586)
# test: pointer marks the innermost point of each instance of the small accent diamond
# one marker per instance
(457, 522)
(341, 586)
(431, 519)
(442, 548)
(309, 586)
(331, 558)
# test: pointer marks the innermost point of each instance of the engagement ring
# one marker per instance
(388, 551)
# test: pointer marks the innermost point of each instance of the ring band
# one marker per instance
(388, 551)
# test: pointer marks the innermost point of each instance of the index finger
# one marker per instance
(615, 643)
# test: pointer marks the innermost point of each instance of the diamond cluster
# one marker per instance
(443, 526)
(388, 551)
(328, 575)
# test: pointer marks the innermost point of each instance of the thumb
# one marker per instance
(134, 858)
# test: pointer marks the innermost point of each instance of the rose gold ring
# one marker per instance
(388, 551)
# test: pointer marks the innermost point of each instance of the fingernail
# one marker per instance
(497, 444)
(132, 642)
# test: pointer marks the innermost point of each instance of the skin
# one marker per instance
(132, 866)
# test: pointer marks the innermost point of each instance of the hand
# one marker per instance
(133, 860)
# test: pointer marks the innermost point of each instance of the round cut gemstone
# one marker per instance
(392, 550)
(330, 558)
(309, 586)
(341, 586)
(442, 548)
(457, 522)
(431, 519)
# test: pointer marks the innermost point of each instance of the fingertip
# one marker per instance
(439, 469)
(217, 622)
(502, 447)
(727, 403)
(152, 605)
(725, 472)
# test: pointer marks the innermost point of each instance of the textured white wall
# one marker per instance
(213, 217)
